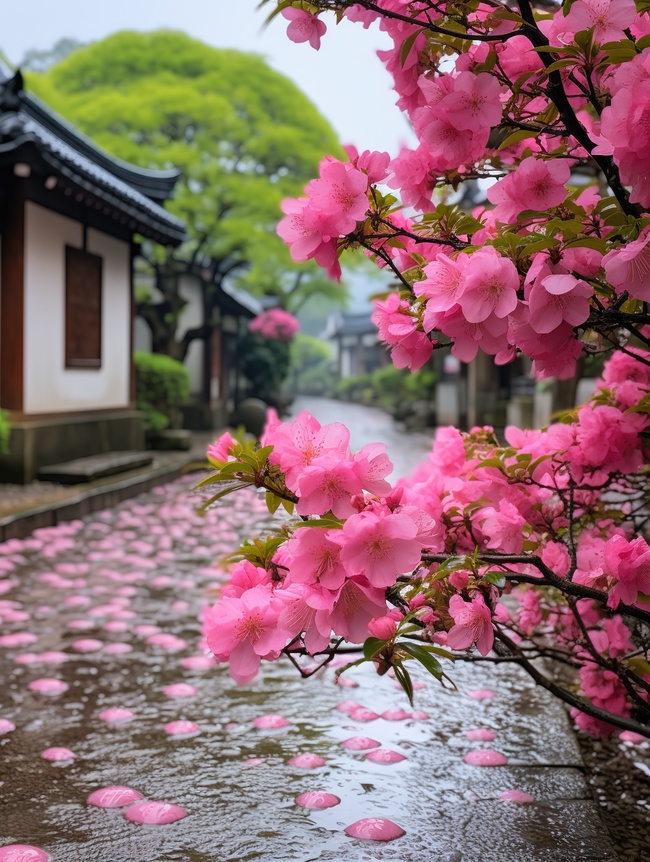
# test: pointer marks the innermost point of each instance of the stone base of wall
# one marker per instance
(36, 443)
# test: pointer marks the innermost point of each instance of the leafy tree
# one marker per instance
(243, 135)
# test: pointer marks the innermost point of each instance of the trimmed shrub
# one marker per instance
(5, 432)
(162, 386)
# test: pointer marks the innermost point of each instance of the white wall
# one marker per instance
(190, 289)
(50, 387)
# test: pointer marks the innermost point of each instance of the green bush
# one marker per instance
(311, 366)
(391, 388)
(162, 386)
(5, 432)
(264, 362)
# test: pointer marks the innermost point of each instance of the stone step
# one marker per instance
(94, 467)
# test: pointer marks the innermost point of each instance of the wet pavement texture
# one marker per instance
(144, 569)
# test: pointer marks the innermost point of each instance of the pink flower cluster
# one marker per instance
(275, 324)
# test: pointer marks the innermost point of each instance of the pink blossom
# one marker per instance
(472, 624)
(557, 299)
(380, 547)
(275, 324)
(296, 444)
(304, 27)
(315, 558)
(609, 18)
(356, 604)
(328, 484)
(629, 564)
(244, 577)
(372, 465)
(340, 194)
(628, 268)
(534, 185)
(219, 452)
(474, 102)
(502, 527)
(488, 286)
(244, 630)
(383, 628)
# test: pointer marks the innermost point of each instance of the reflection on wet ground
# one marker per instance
(109, 607)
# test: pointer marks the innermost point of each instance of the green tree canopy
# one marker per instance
(243, 134)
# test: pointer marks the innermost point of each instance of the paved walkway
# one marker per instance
(108, 606)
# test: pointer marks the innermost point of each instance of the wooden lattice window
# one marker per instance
(83, 309)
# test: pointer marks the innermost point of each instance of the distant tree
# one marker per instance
(245, 138)
(42, 60)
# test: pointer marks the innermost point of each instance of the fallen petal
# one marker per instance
(317, 799)
(485, 757)
(114, 796)
(516, 796)
(155, 812)
(180, 689)
(116, 714)
(58, 754)
(23, 853)
(385, 755)
(374, 829)
(46, 685)
(482, 734)
(264, 722)
(480, 694)
(307, 761)
(360, 743)
(181, 727)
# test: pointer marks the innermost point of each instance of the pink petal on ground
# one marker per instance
(46, 685)
(482, 734)
(53, 657)
(117, 648)
(181, 727)
(346, 682)
(116, 714)
(80, 625)
(167, 641)
(363, 714)
(114, 796)
(116, 626)
(385, 756)
(23, 853)
(485, 757)
(17, 639)
(180, 689)
(631, 736)
(516, 796)
(360, 743)
(198, 662)
(418, 715)
(480, 694)
(317, 799)
(6, 726)
(58, 754)
(154, 812)
(87, 645)
(253, 761)
(307, 761)
(395, 715)
(348, 706)
(266, 722)
(374, 829)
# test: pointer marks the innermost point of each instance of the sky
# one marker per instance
(345, 79)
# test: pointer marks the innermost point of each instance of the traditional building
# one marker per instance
(357, 348)
(69, 213)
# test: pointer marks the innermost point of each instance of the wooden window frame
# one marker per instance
(75, 257)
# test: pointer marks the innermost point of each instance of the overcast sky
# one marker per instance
(344, 79)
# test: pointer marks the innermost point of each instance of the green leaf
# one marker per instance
(496, 578)
(272, 502)
(372, 646)
(404, 679)
(424, 657)
(407, 45)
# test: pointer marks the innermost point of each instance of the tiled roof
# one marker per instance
(29, 130)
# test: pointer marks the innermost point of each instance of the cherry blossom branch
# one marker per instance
(549, 578)
(567, 696)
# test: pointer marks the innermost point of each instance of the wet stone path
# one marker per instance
(100, 655)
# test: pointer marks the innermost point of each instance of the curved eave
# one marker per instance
(155, 184)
